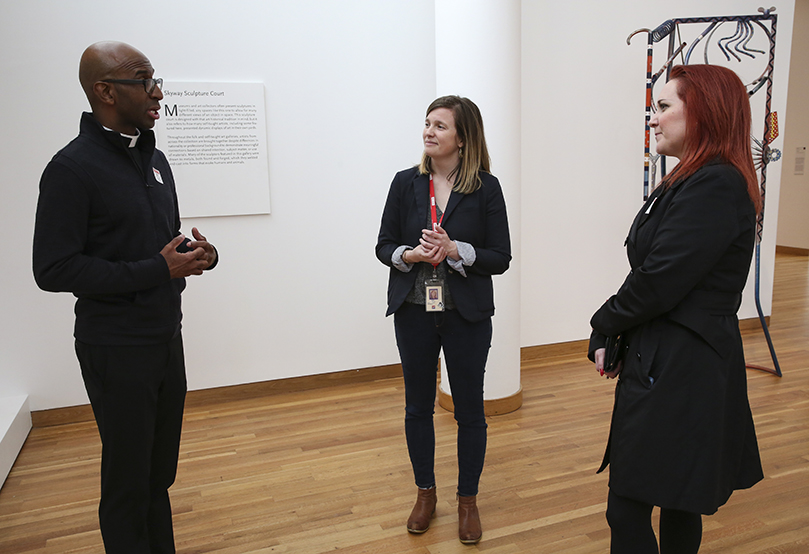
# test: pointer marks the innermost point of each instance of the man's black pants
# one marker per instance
(138, 395)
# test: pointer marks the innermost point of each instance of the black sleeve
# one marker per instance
(696, 230)
(60, 236)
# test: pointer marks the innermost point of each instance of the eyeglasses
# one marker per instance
(148, 84)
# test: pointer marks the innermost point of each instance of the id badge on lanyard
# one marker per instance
(434, 287)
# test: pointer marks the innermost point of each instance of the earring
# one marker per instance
(460, 152)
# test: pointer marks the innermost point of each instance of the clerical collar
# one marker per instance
(133, 139)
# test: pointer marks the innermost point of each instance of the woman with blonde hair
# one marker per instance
(440, 292)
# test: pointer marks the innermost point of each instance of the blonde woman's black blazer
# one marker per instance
(478, 218)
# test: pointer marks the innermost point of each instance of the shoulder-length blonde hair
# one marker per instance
(474, 154)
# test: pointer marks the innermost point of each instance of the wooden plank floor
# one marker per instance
(327, 470)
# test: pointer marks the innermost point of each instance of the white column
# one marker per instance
(477, 50)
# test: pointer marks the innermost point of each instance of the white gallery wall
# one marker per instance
(296, 292)
(793, 225)
(583, 98)
(300, 292)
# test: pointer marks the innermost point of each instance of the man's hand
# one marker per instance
(184, 264)
(202, 242)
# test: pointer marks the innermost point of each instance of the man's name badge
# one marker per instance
(434, 295)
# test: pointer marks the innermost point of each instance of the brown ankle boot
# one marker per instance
(419, 520)
(469, 530)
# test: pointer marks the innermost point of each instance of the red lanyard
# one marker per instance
(435, 219)
(433, 214)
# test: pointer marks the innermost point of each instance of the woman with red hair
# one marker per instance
(682, 434)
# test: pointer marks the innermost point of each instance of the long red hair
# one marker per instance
(717, 123)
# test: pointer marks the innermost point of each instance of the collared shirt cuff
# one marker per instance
(397, 260)
(468, 256)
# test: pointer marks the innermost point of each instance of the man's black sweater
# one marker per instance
(105, 211)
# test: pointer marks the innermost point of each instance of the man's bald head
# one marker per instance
(118, 81)
(107, 60)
